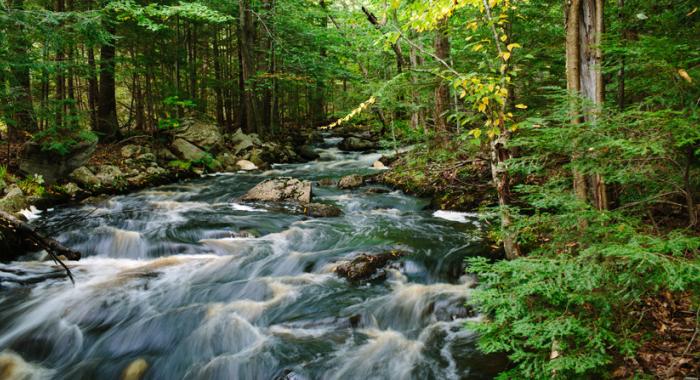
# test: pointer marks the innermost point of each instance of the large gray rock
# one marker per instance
(202, 134)
(357, 144)
(110, 176)
(242, 142)
(85, 178)
(187, 151)
(280, 190)
(14, 200)
(351, 181)
(51, 165)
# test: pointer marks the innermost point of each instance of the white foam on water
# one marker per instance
(31, 213)
(240, 207)
(456, 216)
(388, 354)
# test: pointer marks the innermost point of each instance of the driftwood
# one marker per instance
(19, 237)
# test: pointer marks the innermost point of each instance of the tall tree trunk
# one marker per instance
(92, 88)
(442, 92)
(20, 81)
(584, 29)
(221, 121)
(250, 118)
(107, 122)
(318, 95)
(60, 77)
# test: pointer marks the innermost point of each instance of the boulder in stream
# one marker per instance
(351, 181)
(283, 189)
(367, 267)
(308, 153)
(357, 144)
(322, 210)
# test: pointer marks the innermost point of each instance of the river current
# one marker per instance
(184, 281)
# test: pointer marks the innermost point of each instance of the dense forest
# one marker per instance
(572, 127)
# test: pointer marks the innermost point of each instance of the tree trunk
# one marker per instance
(20, 81)
(442, 92)
(92, 88)
(249, 118)
(584, 29)
(108, 125)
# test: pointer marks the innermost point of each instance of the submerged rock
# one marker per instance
(351, 181)
(367, 267)
(322, 210)
(327, 182)
(308, 153)
(135, 370)
(51, 165)
(284, 189)
(357, 144)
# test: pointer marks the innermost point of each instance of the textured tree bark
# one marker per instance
(442, 91)
(584, 29)
(108, 125)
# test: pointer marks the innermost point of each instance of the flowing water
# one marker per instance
(188, 282)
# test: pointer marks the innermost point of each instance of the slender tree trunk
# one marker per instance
(20, 81)
(584, 29)
(217, 86)
(249, 120)
(621, 71)
(60, 77)
(442, 92)
(92, 88)
(107, 122)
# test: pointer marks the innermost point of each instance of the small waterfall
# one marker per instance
(123, 243)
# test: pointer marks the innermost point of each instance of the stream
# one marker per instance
(189, 282)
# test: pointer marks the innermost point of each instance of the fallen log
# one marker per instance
(18, 237)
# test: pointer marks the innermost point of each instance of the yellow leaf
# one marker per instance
(482, 107)
(475, 132)
(504, 38)
(521, 106)
(513, 46)
(684, 75)
(506, 55)
(477, 47)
